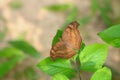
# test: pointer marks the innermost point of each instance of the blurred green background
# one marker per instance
(28, 26)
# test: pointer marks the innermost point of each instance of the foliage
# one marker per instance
(91, 58)
(104, 10)
(102, 74)
(14, 53)
(71, 16)
(111, 35)
(25, 47)
(60, 77)
(16, 4)
(61, 66)
(29, 74)
(58, 7)
(9, 52)
(57, 37)
(8, 65)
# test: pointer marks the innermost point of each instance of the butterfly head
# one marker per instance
(73, 25)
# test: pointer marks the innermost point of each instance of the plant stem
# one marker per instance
(78, 67)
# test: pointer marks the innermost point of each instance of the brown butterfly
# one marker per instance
(68, 44)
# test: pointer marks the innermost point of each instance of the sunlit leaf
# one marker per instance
(25, 47)
(93, 57)
(9, 52)
(60, 66)
(58, 7)
(60, 77)
(111, 35)
(102, 74)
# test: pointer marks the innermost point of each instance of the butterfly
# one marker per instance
(68, 44)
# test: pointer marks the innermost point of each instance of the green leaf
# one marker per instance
(111, 35)
(102, 74)
(94, 6)
(84, 20)
(93, 57)
(108, 6)
(72, 16)
(57, 37)
(25, 47)
(60, 77)
(3, 28)
(16, 4)
(8, 65)
(31, 74)
(60, 66)
(1, 36)
(9, 52)
(28, 73)
(58, 7)
(105, 16)
(103, 11)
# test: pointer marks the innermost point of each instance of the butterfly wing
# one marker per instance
(71, 36)
(60, 50)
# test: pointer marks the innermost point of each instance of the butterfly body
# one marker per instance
(67, 45)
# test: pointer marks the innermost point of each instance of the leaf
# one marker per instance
(28, 73)
(103, 11)
(21, 36)
(93, 57)
(94, 6)
(105, 16)
(16, 4)
(9, 52)
(111, 35)
(60, 66)
(60, 77)
(84, 20)
(25, 47)
(108, 6)
(8, 65)
(57, 37)
(102, 74)
(58, 7)
(3, 28)
(72, 16)
(31, 74)
(2, 35)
